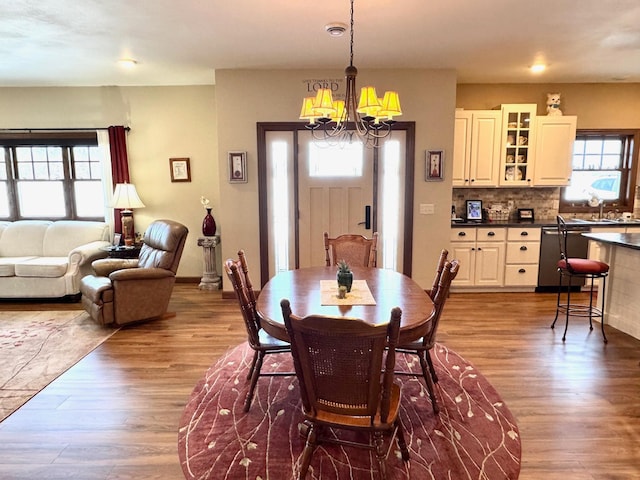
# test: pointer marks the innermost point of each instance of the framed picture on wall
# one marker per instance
(237, 167)
(433, 165)
(180, 169)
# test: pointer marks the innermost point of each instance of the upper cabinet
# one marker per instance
(555, 136)
(512, 147)
(476, 149)
(518, 148)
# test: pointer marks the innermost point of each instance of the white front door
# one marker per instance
(335, 186)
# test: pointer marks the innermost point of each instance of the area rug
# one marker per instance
(37, 347)
(475, 436)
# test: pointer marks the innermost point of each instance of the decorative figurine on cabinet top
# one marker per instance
(553, 104)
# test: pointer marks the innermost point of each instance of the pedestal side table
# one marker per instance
(210, 279)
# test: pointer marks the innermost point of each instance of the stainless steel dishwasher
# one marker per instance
(577, 246)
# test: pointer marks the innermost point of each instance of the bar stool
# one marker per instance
(582, 268)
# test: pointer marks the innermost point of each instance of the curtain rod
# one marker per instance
(30, 130)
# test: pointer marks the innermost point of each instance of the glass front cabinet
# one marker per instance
(518, 143)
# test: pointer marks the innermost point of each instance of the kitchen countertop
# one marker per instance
(549, 223)
(629, 240)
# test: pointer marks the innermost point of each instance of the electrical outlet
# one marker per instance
(427, 209)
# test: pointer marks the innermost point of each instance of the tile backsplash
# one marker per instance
(542, 200)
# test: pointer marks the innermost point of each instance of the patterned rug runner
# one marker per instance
(37, 347)
(475, 435)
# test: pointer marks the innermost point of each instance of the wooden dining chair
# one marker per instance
(356, 250)
(422, 347)
(259, 340)
(444, 253)
(338, 362)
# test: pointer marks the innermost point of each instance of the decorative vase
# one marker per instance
(209, 224)
(345, 279)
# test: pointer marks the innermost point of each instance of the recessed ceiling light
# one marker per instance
(538, 68)
(335, 29)
(127, 62)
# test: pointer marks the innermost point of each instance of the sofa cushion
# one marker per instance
(49, 267)
(7, 265)
(65, 235)
(24, 238)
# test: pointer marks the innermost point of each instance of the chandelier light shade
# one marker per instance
(126, 197)
(370, 118)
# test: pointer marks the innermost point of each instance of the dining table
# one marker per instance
(375, 292)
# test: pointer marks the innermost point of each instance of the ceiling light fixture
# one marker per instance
(127, 62)
(538, 68)
(337, 121)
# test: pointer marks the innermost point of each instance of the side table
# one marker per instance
(123, 251)
(210, 279)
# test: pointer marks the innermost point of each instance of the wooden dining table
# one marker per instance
(389, 289)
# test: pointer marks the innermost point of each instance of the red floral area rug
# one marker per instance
(475, 436)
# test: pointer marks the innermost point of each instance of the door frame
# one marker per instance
(295, 127)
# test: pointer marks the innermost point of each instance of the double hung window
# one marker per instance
(604, 166)
(51, 176)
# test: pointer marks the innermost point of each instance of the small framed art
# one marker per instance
(237, 167)
(180, 169)
(117, 238)
(433, 165)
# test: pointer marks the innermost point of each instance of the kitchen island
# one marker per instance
(622, 297)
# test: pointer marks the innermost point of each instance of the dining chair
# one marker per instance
(343, 385)
(444, 253)
(582, 268)
(356, 250)
(259, 340)
(422, 347)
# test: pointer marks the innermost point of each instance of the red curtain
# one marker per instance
(119, 163)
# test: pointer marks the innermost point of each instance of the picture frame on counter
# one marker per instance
(526, 215)
(237, 167)
(433, 165)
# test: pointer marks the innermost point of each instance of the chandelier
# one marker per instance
(337, 121)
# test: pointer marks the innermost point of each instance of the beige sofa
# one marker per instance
(47, 259)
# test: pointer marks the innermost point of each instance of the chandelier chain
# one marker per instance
(351, 36)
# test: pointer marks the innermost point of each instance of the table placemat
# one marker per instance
(359, 294)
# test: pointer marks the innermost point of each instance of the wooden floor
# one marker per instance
(115, 414)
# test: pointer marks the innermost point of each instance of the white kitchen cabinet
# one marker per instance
(522, 258)
(481, 252)
(554, 138)
(476, 148)
(517, 144)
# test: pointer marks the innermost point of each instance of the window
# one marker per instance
(604, 165)
(51, 176)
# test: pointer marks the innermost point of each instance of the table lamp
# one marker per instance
(125, 197)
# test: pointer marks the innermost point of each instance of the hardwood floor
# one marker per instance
(114, 415)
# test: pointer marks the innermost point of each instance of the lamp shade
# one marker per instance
(125, 196)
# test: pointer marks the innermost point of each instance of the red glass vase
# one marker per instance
(209, 224)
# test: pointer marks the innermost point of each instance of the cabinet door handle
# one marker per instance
(491, 234)
(524, 234)
(522, 270)
(523, 247)
(479, 248)
(462, 234)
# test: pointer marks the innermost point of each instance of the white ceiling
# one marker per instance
(183, 42)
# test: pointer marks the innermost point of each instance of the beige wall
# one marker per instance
(597, 105)
(182, 122)
(165, 122)
(246, 97)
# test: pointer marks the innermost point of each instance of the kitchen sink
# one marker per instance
(611, 221)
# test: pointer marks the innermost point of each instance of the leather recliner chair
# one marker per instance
(133, 290)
